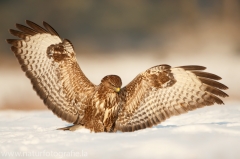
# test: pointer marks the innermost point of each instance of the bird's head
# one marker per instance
(112, 82)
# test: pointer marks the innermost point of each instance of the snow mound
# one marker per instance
(207, 133)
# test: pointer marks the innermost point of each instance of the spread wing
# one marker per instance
(161, 92)
(50, 63)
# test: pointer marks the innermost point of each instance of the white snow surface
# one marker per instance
(206, 133)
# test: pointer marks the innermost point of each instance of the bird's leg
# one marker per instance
(72, 127)
(98, 126)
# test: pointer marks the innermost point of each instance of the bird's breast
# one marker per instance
(106, 106)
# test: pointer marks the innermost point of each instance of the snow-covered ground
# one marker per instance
(207, 133)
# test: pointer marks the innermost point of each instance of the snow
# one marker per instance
(206, 133)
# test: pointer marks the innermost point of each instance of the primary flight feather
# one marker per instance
(150, 98)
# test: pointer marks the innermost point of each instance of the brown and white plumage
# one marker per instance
(152, 97)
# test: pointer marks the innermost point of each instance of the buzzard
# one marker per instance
(150, 98)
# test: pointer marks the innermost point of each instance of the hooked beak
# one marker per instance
(117, 89)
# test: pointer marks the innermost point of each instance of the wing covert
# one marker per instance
(161, 92)
(50, 63)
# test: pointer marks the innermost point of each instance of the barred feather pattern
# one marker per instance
(150, 98)
(51, 65)
(186, 88)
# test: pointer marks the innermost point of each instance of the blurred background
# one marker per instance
(126, 38)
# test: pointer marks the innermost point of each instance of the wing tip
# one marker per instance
(33, 28)
(206, 75)
(50, 29)
(213, 83)
(9, 41)
(192, 67)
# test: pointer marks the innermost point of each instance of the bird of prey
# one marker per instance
(150, 98)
